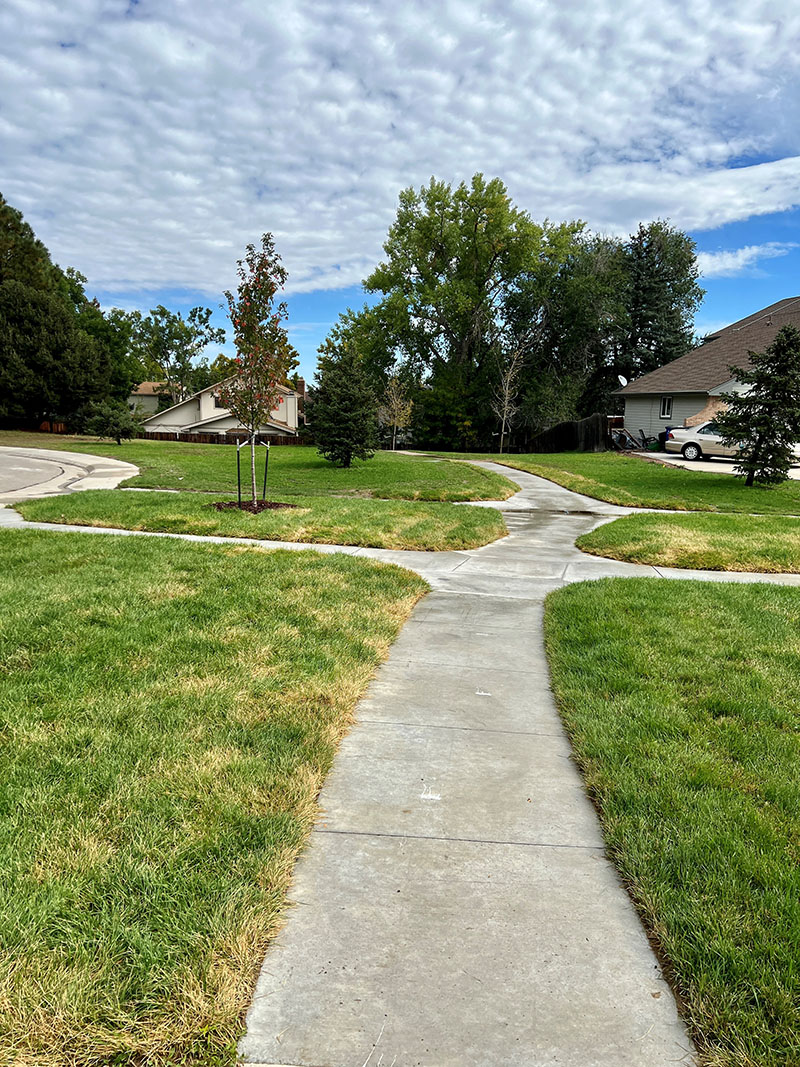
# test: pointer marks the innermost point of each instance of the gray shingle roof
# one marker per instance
(706, 367)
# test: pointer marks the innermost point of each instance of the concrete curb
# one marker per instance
(53, 473)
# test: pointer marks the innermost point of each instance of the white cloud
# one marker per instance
(148, 143)
(726, 264)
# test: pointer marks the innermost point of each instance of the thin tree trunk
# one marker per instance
(394, 436)
(253, 467)
(754, 458)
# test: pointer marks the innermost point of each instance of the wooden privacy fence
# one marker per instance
(584, 435)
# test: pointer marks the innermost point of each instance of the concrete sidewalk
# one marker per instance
(455, 907)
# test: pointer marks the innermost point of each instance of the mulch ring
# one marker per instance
(248, 505)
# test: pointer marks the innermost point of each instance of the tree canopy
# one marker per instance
(495, 322)
(59, 352)
(169, 345)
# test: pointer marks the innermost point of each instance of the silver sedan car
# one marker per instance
(694, 442)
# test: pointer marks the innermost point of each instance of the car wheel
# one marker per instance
(692, 451)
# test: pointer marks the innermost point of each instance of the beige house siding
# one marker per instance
(175, 418)
(203, 408)
(222, 425)
(147, 404)
(145, 396)
(644, 412)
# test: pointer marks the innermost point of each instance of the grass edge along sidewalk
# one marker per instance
(394, 524)
(681, 701)
(636, 482)
(171, 710)
(702, 541)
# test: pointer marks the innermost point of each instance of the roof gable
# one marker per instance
(707, 367)
(283, 390)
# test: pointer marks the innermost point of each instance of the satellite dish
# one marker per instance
(623, 381)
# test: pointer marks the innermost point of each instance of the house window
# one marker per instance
(666, 407)
(217, 402)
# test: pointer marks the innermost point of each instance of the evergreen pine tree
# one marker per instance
(343, 408)
(764, 420)
(58, 352)
(662, 296)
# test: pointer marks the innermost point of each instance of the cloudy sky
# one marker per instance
(147, 141)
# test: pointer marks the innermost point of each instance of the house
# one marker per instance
(687, 391)
(145, 396)
(205, 413)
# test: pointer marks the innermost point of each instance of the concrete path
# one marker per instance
(454, 907)
(26, 473)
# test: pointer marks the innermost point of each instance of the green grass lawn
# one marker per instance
(682, 700)
(293, 470)
(708, 542)
(636, 482)
(396, 524)
(170, 711)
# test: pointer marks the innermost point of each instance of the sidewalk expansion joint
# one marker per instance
(457, 840)
(458, 566)
(419, 660)
(533, 599)
(465, 729)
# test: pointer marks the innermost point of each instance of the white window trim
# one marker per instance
(662, 413)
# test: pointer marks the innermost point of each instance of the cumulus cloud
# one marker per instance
(727, 264)
(147, 141)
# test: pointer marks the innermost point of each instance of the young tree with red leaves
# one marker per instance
(264, 356)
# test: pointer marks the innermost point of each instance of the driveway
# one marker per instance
(712, 466)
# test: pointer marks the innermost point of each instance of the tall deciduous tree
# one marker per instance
(168, 345)
(205, 373)
(343, 408)
(264, 358)
(764, 419)
(452, 258)
(475, 297)
(113, 331)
